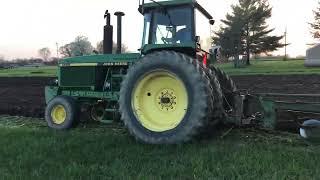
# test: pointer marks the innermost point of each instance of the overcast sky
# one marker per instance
(28, 25)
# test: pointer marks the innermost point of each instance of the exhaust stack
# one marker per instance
(107, 34)
(119, 30)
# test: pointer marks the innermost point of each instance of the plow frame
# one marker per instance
(263, 109)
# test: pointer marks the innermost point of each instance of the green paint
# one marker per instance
(103, 58)
(168, 3)
(175, 3)
(111, 96)
(271, 107)
(269, 114)
(157, 47)
(50, 93)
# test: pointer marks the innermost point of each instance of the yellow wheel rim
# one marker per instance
(58, 114)
(160, 101)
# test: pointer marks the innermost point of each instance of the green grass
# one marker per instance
(47, 71)
(31, 151)
(270, 68)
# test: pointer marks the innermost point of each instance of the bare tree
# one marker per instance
(44, 53)
(99, 47)
(81, 46)
(315, 26)
(2, 61)
(65, 50)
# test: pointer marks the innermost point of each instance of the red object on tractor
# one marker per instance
(205, 59)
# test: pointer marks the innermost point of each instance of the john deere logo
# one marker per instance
(115, 64)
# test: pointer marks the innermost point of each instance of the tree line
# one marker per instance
(80, 46)
(26, 61)
(245, 30)
(315, 26)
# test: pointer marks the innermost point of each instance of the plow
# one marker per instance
(169, 92)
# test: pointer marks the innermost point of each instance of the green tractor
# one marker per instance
(166, 94)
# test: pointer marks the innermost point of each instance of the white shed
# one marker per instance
(313, 56)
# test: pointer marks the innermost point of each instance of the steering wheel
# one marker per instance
(166, 40)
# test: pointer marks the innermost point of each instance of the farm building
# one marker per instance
(313, 56)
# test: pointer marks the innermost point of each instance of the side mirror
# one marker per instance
(212, 21)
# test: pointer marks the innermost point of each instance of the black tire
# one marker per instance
(199, 97)
(216, 111)
(217, 97)
(229, 89)
(71, 109)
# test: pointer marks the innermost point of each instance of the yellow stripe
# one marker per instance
(94, 64)
(83, 64)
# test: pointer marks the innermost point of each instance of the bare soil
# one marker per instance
(25, 96)
(290, 84)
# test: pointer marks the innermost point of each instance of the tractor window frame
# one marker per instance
(152, 13)
(199, 13)
(147, 27)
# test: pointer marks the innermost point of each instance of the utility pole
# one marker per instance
(57, 45)
(285, 45)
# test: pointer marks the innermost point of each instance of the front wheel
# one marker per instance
(62, 113)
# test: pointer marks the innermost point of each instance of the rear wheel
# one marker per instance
(165, 99)
(218, 112)
(62, 113)
(228, 88)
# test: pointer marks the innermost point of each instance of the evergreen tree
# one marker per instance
(245, 30)
(316, 24)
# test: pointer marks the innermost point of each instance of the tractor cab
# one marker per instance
(171, 25)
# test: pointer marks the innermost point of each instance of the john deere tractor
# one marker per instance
(165, 94)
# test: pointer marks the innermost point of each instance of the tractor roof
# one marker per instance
(168, 3)
(172, 3)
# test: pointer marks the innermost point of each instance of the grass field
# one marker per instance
(271, 68)
(30, 151)
(258, 67)
(47, 71)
